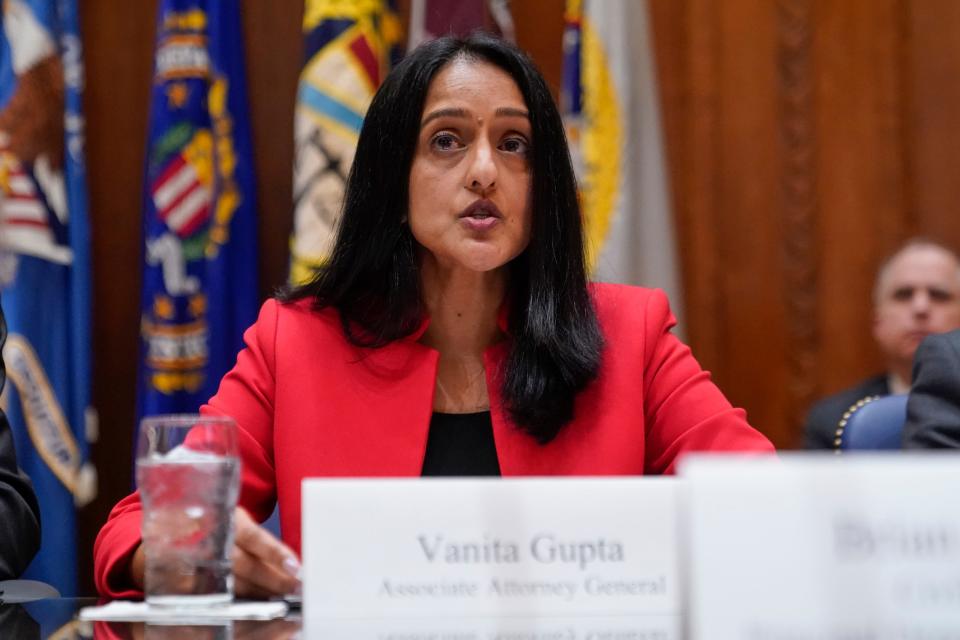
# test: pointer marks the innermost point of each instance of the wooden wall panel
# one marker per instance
(118, 48)
(798, 199)
(932, 68)
(807, 138)
(274, 55)
(687, 36)
(539, 28)
(718, 70)
(748, 178)
(861, 178)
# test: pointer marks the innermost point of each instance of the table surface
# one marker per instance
(56, 619)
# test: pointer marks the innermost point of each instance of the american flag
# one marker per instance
(181, 200)
(27, 223)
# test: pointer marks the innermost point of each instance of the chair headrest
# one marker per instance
(872, 423)
(15, 591)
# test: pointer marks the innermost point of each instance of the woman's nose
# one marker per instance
(482, 172)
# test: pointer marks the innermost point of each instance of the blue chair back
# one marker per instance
(874, 424)
(16, 591)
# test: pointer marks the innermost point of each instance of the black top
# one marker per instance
(461, 444)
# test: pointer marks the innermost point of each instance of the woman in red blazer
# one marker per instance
(453, 331)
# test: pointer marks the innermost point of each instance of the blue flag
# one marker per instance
(199, 225)
(45, 269)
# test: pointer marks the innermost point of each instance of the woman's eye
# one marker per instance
(445, 141)
(514, 145)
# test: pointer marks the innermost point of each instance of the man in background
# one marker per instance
(19, 511)
(917, 293)
(933, 408)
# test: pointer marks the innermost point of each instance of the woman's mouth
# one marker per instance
(480, 216)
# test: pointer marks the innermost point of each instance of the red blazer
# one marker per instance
(308, 403)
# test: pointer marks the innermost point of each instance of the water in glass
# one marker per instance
(188, 498)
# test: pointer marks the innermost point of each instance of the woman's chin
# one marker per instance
(469, 256)
(485, 265)
(480, 259)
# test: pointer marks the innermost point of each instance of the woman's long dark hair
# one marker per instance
(372, 277)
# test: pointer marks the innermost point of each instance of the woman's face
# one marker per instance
(470, 177)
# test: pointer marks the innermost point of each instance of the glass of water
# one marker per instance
(188, 475)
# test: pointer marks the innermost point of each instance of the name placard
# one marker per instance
(489, 547)
(585, 627)
(815, 546)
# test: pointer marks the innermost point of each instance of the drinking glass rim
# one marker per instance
(185, 419)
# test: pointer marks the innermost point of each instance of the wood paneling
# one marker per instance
(274, 55)
(807, 138)
(932, 79)
(861, 177)
(118, 48)
(687, 39)
(798, 192)
(539, 26)
(749, 179)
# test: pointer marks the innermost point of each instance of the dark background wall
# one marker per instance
(806, 138)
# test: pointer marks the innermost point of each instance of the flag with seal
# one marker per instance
(199, 223)
(45, 270)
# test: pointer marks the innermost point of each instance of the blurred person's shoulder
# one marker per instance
(939, 342)
(933, 408)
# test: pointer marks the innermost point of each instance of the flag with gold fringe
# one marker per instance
(199, 219)
(610, 103)
(45, 270)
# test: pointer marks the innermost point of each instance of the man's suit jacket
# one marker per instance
(820, 428)
(19, 511)
(933, 408)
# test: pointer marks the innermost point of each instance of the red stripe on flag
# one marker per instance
(169, 171)
(365, 56)
(25, 222)
(200, 218)
(165, 212)
(185, 222)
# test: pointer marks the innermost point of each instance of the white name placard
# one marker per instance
(489, 547)
(585, 627)
(823, 547)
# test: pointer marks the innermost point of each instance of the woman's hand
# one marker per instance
(262, 565)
